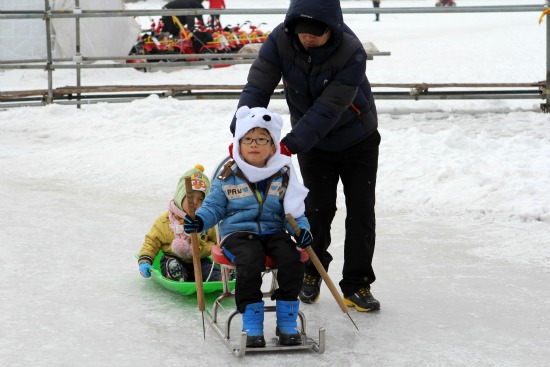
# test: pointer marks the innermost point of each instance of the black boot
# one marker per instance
(362, 300)
(311, 289)
(174, 271)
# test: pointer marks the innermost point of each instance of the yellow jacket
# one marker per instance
(160, 237)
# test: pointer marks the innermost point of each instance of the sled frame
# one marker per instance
(223, 329)
(240, 349)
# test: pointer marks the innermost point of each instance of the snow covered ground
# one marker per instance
(463, 253)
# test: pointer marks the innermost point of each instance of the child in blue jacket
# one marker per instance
(249, 199)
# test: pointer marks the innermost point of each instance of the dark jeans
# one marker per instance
(174, 29)
(215, 21)
(248, 251)
(357, 168)
(376, 4)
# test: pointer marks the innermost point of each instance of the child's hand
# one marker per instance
(144, 269)
(192, 225)
(304, 239)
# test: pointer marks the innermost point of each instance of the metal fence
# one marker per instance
(76, 95)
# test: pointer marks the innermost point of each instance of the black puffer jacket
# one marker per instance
(327, 91)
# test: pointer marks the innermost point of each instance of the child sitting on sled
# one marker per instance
(250, 197)
(167, 234)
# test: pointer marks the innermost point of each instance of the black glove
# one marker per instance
(192, 225)
(304, 239)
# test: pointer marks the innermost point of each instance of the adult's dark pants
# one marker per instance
(357, 167)
(215, 21)
(174, 29)
(248, 251)
(376, 4)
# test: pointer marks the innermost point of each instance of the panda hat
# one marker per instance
(259, 117)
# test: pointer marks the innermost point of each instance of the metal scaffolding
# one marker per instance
(79, 95)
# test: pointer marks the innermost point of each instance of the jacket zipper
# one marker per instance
(259, 198)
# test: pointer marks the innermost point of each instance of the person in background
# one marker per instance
(189, 20)
(249, 199)
(376, 4)
(167, 234)
(445, 3)
(215, 18)
(334, 133)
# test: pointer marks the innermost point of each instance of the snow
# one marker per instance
(463, 209)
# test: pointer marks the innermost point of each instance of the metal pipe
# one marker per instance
(78, 55)
(138, 65)
(129, 97)
(230, 56)
(49, 69)
(224, 56)
(161, 12)
(546, 107)
(77, 14)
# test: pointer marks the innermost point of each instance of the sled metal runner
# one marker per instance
(238, 346)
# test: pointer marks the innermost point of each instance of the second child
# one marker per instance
(167, 234)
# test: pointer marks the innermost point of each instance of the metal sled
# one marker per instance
(223, 330)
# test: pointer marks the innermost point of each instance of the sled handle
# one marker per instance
(195, 245)
(321, 269)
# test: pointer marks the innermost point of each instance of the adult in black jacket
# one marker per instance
(334, 133)
(170, 26)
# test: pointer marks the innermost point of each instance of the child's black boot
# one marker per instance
(174, 271)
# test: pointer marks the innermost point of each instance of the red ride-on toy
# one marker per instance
(240, 34)
(256, 35)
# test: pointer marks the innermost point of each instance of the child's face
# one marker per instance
(252, 151)
(198, 198)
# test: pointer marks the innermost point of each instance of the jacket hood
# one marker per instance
(326, 11)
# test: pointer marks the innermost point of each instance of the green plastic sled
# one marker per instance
(183, 288)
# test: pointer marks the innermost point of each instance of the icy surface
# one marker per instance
(463, 234)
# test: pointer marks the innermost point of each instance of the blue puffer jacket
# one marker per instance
(328, 94)
(234, 202)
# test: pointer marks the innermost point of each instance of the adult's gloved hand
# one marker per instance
(144, 269)
(304, 239)
(285, 150)
(192, 225)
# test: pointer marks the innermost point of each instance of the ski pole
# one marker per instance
(196, 254)
(320, 268)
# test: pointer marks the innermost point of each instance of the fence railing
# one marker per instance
(76, 95)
